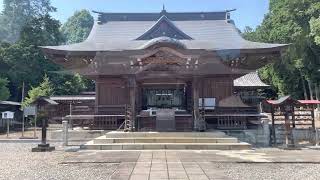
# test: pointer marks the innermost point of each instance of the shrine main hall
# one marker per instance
(167, 71)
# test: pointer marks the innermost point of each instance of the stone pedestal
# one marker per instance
(43, 148)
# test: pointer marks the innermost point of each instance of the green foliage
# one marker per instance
(69, 84)
(288, 22)
(16, 13)
(41, 31)
(77, 27)
(4, 91)
(315, 29)
(24, 63)
(44, 89)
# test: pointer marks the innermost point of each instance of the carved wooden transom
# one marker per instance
(162, 58)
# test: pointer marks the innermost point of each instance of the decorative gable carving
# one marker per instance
(163, 58)
(164, 27)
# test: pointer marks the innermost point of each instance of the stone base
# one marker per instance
(289, 147)
(43, 148)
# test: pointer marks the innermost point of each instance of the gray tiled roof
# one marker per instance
(209, 33)
(249, 80)
(11, 103)
(73, 98)
(232, 101)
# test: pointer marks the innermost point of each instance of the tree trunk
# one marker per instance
(304, 87)
(310, 89)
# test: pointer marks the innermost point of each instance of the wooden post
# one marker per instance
(293, 118)
(274, 141)
(22, 99)
(70, 114)
(132, 93)
(313, 118)
(195, 87)
(35, 123)
(317, 95)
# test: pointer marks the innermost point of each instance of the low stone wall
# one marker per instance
(299, 135)
(77, 135)
(304, 135)
(257, 137)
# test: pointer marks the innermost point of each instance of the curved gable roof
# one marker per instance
(208, 30)
(164, 27)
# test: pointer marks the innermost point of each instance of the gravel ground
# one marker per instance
(266, 171)
(18, 162)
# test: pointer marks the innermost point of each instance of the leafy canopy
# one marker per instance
(4, 91)
(78, 27)
(16, 13)
(44, 89)
(294, 22)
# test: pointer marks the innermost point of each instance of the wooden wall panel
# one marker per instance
(112, 91)
(217, 87)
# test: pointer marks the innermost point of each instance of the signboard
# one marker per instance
(209, 103)
(29, 111)
(7, 115)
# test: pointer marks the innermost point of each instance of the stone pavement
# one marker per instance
(18, 162)
(200, 165)
(166, 165)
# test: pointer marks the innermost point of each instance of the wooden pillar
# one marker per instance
(195, 90)
(274, 141)
(132, 93)
(312, 117)
(293, 118)
(318, 95)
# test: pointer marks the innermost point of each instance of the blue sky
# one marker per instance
(248, 13)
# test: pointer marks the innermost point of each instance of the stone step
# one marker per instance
(168, 146)
(104, 140)
(119, 134)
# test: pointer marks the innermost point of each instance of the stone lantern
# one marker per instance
(44, 106)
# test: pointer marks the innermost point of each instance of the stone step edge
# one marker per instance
(165, 134)
(183, 138)
(165, 140)
(173, 146)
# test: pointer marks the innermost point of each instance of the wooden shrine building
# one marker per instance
(166, 71)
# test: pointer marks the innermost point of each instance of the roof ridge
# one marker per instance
(104, 17)
(173, 12)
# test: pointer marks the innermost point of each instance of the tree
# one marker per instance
(288, 22)
(78, 27)
(41, 31)
(75, 30)
(16, 13)
(69, 84)
(44, 89)
(4, 91)
(315, 29)
(24, 61)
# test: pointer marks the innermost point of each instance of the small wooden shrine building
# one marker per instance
(166, 71)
